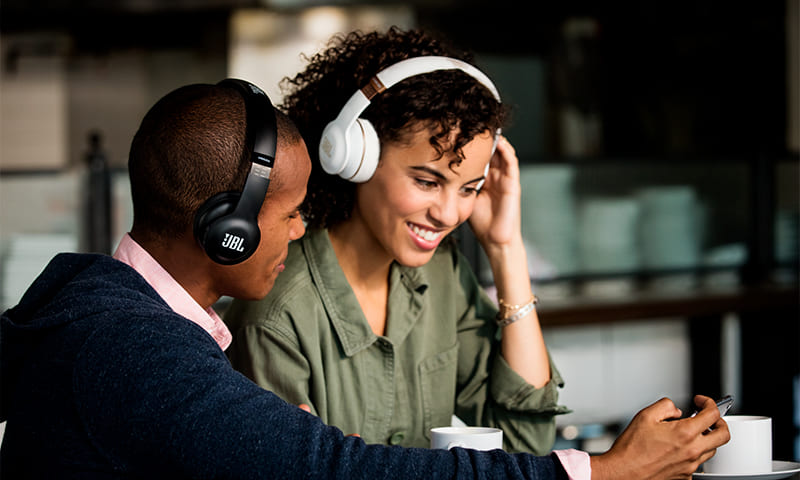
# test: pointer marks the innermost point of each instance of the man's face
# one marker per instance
(279, 221)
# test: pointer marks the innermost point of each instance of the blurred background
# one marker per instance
(659, 145)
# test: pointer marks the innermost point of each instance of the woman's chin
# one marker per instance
(417, 259)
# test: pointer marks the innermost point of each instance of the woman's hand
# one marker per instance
(656, 445)
(495, 219)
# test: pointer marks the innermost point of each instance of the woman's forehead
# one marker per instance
(470, 161)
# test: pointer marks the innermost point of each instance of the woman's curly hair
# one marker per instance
(440, 101)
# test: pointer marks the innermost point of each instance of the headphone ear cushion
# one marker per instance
(226, 238)
(353, 150)
(366, 157)
(214, 208)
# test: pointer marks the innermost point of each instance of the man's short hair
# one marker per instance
(191, 146)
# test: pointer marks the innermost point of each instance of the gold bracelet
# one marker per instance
(524, 309)
(505, 308)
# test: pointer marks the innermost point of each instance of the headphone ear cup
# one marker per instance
(353, 150)
(368, 154)
(333, 148)
(213, 209)
(353, 153)
(226, 238)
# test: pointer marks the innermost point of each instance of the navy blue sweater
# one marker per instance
(101, 379)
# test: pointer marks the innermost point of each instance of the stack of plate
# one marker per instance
(669, 229)
(549, 221)
(607, 235)
(787, 232)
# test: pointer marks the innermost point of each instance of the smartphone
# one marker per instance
(723, 404)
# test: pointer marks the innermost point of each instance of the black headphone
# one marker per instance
(226, 225)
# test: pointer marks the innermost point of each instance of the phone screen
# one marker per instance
(724, 404)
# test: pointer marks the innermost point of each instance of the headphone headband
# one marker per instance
(353, 152)
(419, 65)
(260, 123)
(226, 225)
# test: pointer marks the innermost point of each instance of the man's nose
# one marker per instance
(298, 229)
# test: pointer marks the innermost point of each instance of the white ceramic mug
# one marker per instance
(748, 451)
(476, 438)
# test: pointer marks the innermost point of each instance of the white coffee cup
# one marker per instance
(476, 438)
(749, 449)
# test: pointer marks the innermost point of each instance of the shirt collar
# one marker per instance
(407, 289)
(171, 291)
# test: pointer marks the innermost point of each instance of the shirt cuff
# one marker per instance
(575, 463)
(513, 393)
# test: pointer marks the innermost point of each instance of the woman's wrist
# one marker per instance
(509, 264)
(509, 314)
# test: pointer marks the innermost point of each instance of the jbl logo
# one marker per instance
(233, 242)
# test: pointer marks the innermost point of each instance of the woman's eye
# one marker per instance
(467, 191)
(427, 184)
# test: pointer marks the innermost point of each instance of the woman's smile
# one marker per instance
(424, 238)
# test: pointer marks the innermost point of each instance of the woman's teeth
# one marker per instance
(428, 235)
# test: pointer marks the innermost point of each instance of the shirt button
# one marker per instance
(397, 438)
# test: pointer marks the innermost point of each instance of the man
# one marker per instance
(115, 367)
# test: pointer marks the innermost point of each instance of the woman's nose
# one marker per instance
(446, 210)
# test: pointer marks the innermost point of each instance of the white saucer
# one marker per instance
(779, 470)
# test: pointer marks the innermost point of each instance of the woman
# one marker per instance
(378, 324)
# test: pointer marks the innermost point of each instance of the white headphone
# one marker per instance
(349, 146)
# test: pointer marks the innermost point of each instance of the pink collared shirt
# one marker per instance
(171, 291)
(576, 464)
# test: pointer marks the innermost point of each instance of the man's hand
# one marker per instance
(659, 445)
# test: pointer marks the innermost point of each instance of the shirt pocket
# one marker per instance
(438, 380)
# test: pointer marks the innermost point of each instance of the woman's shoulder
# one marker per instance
(293, 287)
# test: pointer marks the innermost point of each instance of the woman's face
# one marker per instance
(416, 198)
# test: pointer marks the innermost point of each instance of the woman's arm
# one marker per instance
(496, 221)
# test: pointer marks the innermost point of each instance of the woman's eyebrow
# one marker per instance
(439, 175)
(430, 171)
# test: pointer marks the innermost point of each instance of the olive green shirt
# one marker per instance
(309, 342)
